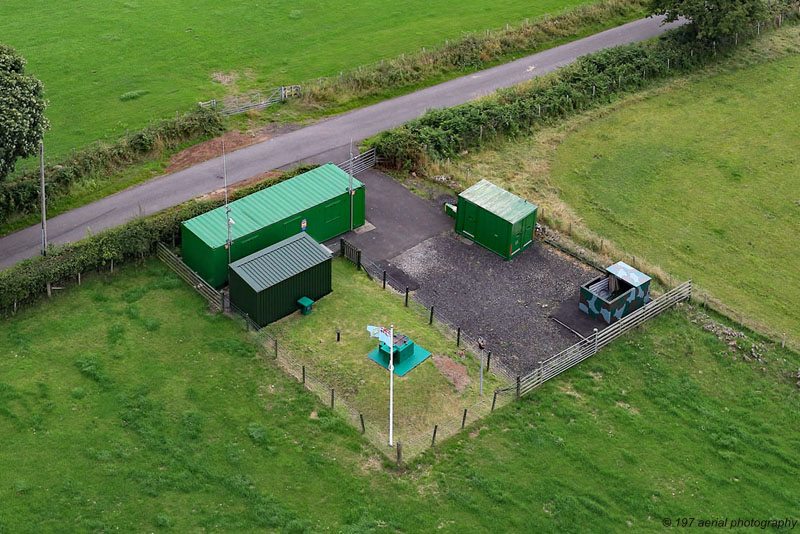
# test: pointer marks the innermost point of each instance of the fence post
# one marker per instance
(595, 340)
(341, 246)
(332, 392)
(358, 257)
(430, 319)
(384, 279)
(406, 296)
(433, 440)
(488, 361)
(363, 427)
(464, 419)
(517, 386)
(783, 341)
(399, 454)
(304, 374)
(494, 400)
(276, 348)
(458, 337)
(247, 321)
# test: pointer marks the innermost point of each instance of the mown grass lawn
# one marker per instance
(424, 397)
(108, 66)
(123, 403)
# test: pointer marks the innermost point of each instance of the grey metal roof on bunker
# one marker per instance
(498, 201)
(625, 272)
(280, 261)
(270, 205)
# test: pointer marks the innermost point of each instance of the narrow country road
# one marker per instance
(303, 144)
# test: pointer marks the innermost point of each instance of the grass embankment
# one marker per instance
(123, 403)
(698, 176)
(423, 398)
(111, 66)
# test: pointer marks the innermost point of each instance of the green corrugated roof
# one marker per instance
(272, 204)
(497, 200)
(281, 261)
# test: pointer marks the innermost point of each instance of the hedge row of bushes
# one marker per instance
(27, 280)
(471, 51)
(22, 195)
(590, 81)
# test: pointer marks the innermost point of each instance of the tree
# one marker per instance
(22, 120)
(712, 19)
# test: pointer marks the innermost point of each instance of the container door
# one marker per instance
(470, 219)
(527, 231)
(516, 238)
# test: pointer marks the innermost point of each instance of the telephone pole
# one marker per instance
(44, 202)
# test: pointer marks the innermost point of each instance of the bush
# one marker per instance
(27, 280)
(592, 80)
(22, 196)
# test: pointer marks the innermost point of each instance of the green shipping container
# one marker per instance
(267, 285)
(496, 219)
(315, 202)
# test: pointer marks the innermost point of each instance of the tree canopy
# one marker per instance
(22, 105)
(712, 19)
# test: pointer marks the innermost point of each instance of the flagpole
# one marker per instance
(391, 384)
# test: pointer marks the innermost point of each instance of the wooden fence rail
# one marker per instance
(213, 296)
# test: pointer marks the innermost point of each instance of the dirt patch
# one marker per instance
(567, 389)
(373, 463)
(477, 432)
(628, 407)
(233, 140)
(454, 372)
(224, 79)
(313, 415)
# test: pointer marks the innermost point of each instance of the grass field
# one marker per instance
(704, 181)
(699, 177)
(108, 66)
(424, 397)
(124, 404)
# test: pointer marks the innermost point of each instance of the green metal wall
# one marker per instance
(493, 232)
(280, 300)
(324, 221)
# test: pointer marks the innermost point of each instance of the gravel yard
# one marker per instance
(509, 303)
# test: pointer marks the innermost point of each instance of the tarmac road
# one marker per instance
(306, 143)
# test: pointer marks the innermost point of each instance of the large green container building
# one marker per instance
(267, 285)
(496, 219)
(315, 202)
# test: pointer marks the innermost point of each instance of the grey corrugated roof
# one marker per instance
(280, 261)
(498, 201)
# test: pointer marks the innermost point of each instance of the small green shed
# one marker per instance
(496, 219)
(315, 202)
(267, 285)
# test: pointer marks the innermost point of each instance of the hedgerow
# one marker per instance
(27, 280)
(22, 195)
(592, 80)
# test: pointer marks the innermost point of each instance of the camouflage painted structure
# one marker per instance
(614, 296)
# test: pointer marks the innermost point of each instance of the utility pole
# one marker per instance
(227, 206)
(350, 172)
(44, 202)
